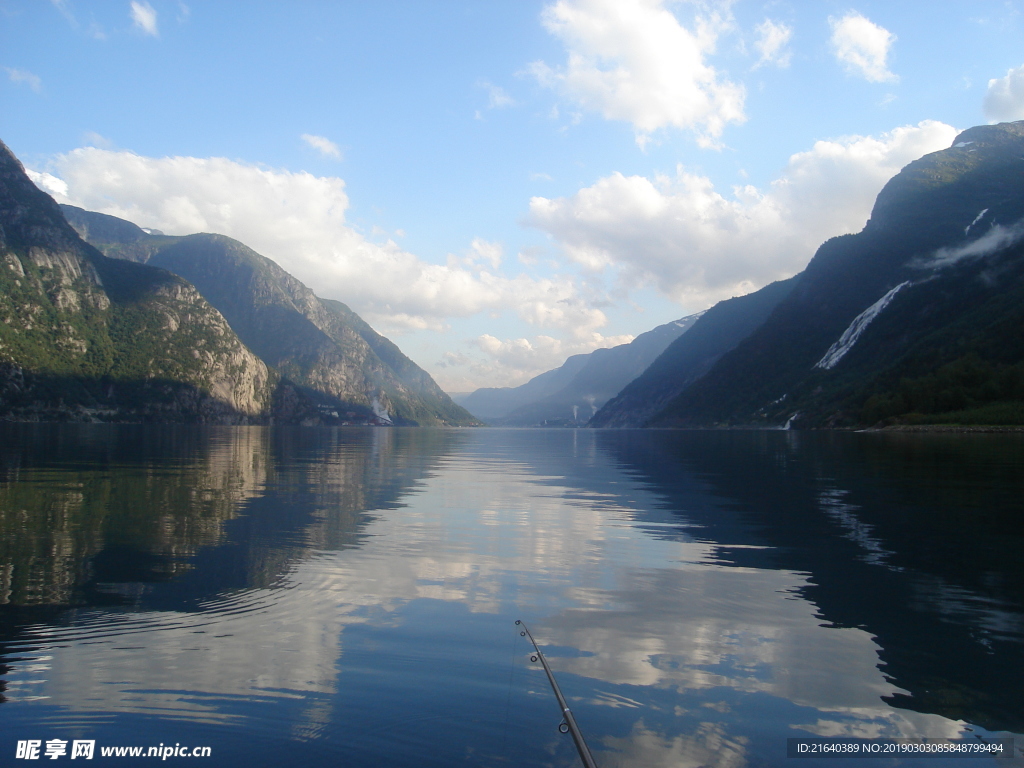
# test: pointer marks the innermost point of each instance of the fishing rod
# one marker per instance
(568, 724)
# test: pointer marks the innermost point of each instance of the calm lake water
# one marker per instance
(347, 597)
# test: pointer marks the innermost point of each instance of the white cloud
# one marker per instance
(497, 97)
(1004, 100)
(144, 17)
(94, 30)
(62, 7)
(771, 43)
(49, 183)
(633, 61)
(997, 238)
(298, 220)
(323, 145)
(862, 47)
(19, 76)
(488, 252)
(94, 139)
(699, 246)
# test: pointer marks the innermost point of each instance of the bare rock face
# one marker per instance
(84, 337)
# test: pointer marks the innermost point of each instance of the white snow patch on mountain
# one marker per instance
(850, 335)
(695, 316)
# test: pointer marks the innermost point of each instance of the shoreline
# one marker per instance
(979, 428)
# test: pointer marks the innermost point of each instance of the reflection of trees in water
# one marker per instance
(90, 511)
(913, 538)
(108, 502)
(343, 473)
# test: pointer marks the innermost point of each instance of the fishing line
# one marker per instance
(508, 699)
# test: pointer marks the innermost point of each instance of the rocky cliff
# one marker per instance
(85, 337)
(340, 368)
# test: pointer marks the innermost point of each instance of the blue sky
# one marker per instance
(499, 185)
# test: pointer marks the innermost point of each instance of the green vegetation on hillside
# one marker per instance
(967, 391)
(87, 337)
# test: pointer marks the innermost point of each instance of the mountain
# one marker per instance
(493, 403)
(690, 356)
(916, 318)
(85, 337)
(570, 394)
(321, 347)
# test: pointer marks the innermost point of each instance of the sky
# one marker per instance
(498, 185)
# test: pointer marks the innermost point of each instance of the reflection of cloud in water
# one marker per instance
(888, 724)
(257, 645)
(709, 626)
(709, 745)
(495, 537)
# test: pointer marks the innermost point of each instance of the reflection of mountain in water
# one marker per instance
(161, 515)
(915, 539)
(700, 593)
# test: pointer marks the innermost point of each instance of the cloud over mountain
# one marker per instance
(298, 220)
(699, 246)
(492, 362)
(1004, 100)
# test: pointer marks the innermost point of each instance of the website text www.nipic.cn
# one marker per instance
(34, 749)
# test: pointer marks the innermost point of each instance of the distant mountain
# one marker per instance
(690, 356)
(919, 317)
(493, 403)
(336, 359)
(570, 394)
(84, 337)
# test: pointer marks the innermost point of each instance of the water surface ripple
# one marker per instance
(347, 596)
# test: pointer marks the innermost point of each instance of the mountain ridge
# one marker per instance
(84, 337)
(570, 394)
(690, 356)
(319, 345)
(945, 225)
